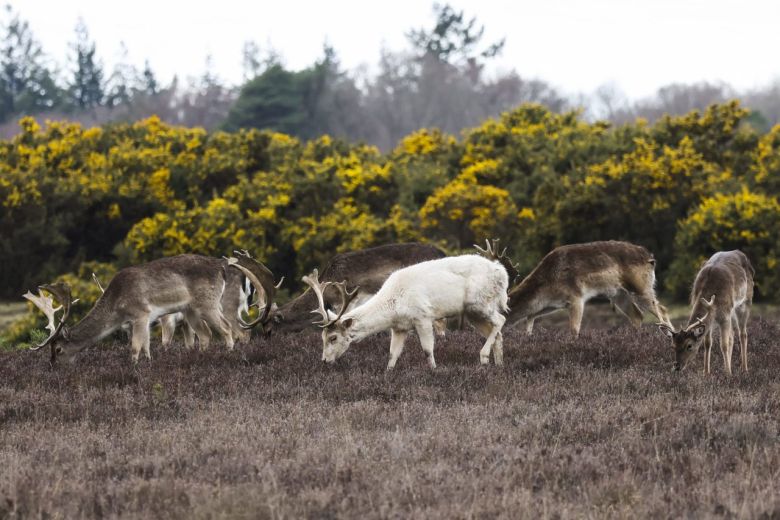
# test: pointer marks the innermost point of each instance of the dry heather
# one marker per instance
(595, 427)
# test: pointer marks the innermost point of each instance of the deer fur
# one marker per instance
(569, 276)
(722, 295)
(412, 298)
(367, 269)
(137, 295)
(235, 301)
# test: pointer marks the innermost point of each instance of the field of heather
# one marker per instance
(595, 427)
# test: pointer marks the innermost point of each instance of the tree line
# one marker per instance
(438, 81)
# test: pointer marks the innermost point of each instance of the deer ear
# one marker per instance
(347, 323)
(666, 329)
(699, 331)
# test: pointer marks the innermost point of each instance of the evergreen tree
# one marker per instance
(119, 88)
(453, 36)
(26, 84)
(86, 87)
(149, 83)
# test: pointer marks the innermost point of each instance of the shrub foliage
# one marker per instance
(127, 193)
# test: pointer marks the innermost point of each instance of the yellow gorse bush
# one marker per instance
(127, 193)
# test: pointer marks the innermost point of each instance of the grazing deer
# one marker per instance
(138, 295)
(413, 298)
(235, 299)
(366, 269)
(727, 279)
(569, 276)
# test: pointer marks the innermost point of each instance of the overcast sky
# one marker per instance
(576, 45)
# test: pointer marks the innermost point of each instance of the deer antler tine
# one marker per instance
(699, 321)
(280, 283)
(261, 278)
(313, 281)
(61, 291)
(97, 282)
(346, 298)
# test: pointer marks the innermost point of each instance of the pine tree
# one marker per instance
(149, 83)
(86, 87)
(26, 84)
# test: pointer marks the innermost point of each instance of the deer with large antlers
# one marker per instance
(411, 299)
(138, 295)
(569, 276)
(366, 269)
(722, 295)
(235, 302)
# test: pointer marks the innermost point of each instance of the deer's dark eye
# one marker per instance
(332, 338)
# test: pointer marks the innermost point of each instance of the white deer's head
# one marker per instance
(336, 332)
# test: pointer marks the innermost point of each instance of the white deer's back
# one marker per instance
(445, 287)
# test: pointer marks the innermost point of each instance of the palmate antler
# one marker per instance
(491, 252)
(60, 291)
(262, 278)
(312, 280)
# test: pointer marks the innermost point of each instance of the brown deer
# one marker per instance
(366, 268)
(722, 294)
(569, 276)
(138, 295)
(235, 300)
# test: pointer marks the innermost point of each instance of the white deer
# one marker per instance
(412, 299)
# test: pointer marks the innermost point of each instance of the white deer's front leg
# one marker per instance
(397, 338)
(425, 333)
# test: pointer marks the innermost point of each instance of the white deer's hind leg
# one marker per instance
(425, 333)
(490, 328)
(397, 338)
(140, 338)
(498, 350)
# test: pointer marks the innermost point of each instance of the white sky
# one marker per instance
(574, 45)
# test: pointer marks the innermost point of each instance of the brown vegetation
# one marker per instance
(593, 427)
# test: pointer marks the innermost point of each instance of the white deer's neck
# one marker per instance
(369, 318)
